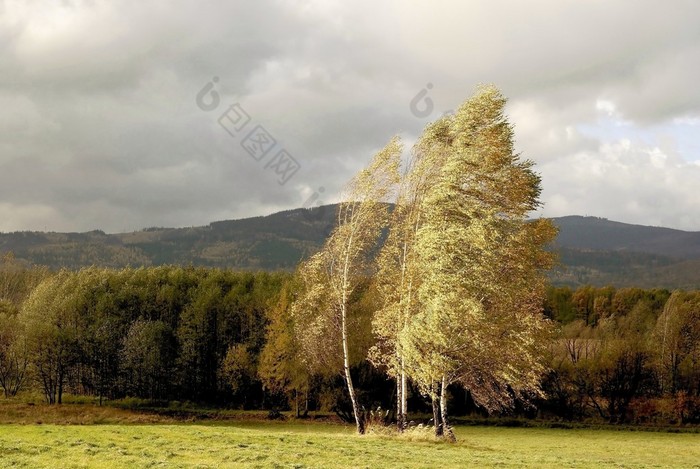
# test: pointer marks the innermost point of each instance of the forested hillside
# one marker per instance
(592, 250)
(600, 234)
(274, 242)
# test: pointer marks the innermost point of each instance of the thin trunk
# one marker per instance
(404, 322)
(401, 377)
(446, 428)
(348, 378)
(437, 419)
(59, 381)
(296, 402)
(3, 384)
(399, 416)
(675, 365)
(344, 331)
(404, 394)
(663, 352)
(597, 406)
(50, 389)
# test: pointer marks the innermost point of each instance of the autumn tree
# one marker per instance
(583, 300)
(330, 277)
(51, 324)
(481, 264)
(677, 347)
(239, 370)
(16, 284)
(281, 367)
(398, 275)
(14, 357)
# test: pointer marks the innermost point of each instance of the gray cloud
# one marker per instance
(99, 126)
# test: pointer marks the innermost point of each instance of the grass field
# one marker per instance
(306, 445)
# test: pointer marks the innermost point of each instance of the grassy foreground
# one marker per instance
(299, 445)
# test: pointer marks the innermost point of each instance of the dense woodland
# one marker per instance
(222, 338)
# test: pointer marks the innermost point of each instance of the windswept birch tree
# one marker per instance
(330, 277)
(481, 264)
(398, 276)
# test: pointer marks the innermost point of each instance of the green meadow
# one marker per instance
(307, 445)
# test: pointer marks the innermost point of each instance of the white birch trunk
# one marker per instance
(359, 421)
(348, 378)
(404, 395)
(446, 428)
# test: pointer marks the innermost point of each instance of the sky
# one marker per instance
(124, 115)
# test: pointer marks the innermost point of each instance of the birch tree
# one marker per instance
(481, 263)
(330, 277)
(398, 276)
(676, 339)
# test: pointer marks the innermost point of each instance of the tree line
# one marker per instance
(228, 338)
(154, 333)
(624, 355)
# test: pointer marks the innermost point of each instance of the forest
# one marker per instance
(223, 338)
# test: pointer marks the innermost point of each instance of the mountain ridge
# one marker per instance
(593, 250)
(603, 234)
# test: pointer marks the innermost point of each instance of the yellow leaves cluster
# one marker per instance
(459, 278)
(476, 264)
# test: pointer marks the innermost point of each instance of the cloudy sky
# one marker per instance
(125, 115)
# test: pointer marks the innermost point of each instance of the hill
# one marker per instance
(600, 234)
(277, 241)
(597, 251)
(592, 250)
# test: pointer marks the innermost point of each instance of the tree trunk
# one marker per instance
(446, 428)
(401, 407)
(359, 421)
(296, 402)
(399, 416)
(437, 419)
(404, 396)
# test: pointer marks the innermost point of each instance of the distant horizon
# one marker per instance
(145, 228)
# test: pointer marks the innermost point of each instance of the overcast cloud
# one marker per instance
(100, 126)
